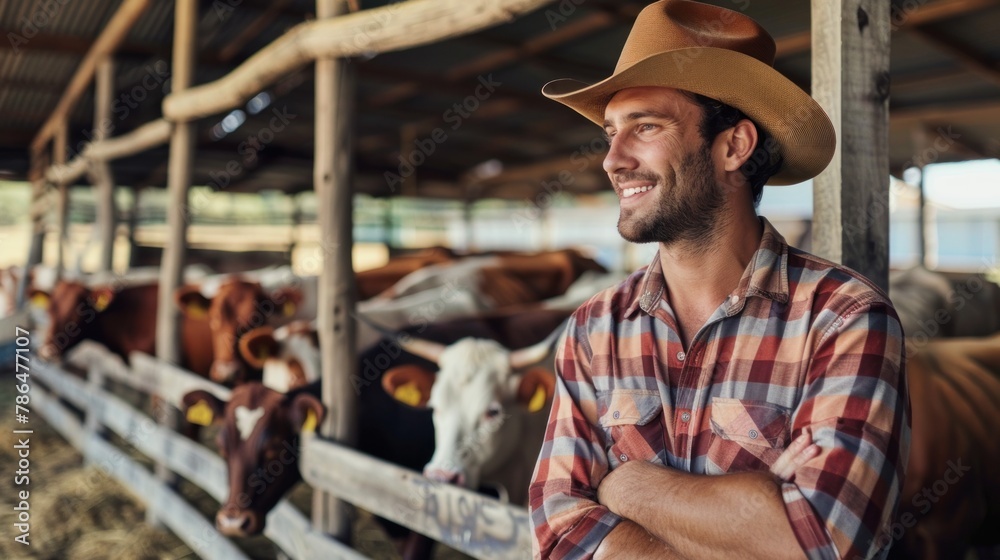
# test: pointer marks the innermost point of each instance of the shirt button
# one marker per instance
(753, 434)
(734, 299)
(686, 417)
(615, 415)
(680, 356)
(623, 457)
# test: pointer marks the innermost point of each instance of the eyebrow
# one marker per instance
(636, 115)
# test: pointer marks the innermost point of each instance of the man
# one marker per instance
(737, 398)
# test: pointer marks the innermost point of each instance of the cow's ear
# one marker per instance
(190, 301)
(409, 384)
(202, 408)
(307, 412)
(536, 388)
(40, 299)
(101, 298)
(258, 345)
(289, 299)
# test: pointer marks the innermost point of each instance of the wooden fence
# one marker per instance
(477, 525)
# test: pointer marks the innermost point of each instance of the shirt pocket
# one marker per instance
(632, 421)
(746, 435)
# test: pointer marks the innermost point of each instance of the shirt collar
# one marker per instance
(766, 274)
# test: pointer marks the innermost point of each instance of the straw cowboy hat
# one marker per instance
(721, 54)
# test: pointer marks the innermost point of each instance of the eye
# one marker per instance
(494, 411)
(608, 135)
(646, 127)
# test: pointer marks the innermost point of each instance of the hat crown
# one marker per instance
(678, 24)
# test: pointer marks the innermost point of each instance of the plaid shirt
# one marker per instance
(801, 342)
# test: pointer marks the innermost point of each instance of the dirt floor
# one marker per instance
(79, 513)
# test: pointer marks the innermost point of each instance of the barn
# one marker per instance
(366, 174)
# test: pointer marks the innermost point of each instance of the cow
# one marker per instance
(121, 317)
(951, 495)
(288, 356)
(387, 429)
(933, 304)
(259, 441)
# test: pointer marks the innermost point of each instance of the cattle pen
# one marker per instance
(327, 43)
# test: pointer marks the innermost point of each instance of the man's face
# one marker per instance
(661, 167)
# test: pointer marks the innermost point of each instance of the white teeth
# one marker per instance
(636, 190)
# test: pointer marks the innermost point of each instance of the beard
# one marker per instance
(686, 209)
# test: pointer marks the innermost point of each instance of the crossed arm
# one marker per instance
(706, 516)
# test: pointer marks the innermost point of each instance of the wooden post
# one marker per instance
(178, 182)
(104, 182)
(850, 79)
(922, 217)
(59, 145)
(337, 290)
(133, 224)
(36, 174)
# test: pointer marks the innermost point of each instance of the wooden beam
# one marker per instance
(106, 220)
(978, 64)
(335, 91)
(59, 146)
(178, 182)
(389, 28)
(253, 29)
(947, 113)
(850, 59)
(902, 18)
(113, 34)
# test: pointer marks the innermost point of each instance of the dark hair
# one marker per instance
(766, 159)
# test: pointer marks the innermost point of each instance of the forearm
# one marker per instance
(703, 516)
(629, 540)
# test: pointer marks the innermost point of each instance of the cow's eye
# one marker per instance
(494, 411)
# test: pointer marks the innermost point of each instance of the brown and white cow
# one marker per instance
(259, 441)
(951, 495)
(287, 356)
(121, 317)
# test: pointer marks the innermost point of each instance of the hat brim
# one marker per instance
(803, 131)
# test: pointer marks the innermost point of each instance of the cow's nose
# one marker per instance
(445, 475)
(236, 523)
(223, 372)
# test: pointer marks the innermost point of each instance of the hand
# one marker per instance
(801, 450)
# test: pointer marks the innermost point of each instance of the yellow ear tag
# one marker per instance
(289, 309)
(537, 401)
(408, 393)
(310, 423)
(196, 311)
(40, 300)
(200, 414)
(102, 302)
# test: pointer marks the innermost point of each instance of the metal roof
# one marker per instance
(945, 81)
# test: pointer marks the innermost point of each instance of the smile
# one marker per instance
(626, 193)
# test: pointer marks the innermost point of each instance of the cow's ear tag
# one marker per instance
(309, 425)
(196, 311)
(102, 301)
(537, 401)
(289, 309)
(40, 300)
(200, 414)
(408, 393)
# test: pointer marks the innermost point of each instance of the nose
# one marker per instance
(235, 523)
(223, 372)
(445, 475)
(618, 158)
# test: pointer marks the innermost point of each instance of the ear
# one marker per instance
(289, 299)
(101, 298)
(306, 412)
(741, 141)
(202, 408)
(190, 301)
(258, 345)
(410, 385)
(40, 299)
(536, 388)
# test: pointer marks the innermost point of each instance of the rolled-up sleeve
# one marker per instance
(841, 504)
(567, 521)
